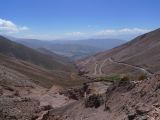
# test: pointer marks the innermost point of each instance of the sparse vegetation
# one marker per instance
(114, 78)
(125, 78)
(111, 78)
(142, 77)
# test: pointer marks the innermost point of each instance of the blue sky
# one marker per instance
(78, 19)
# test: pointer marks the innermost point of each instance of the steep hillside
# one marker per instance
(28, 86)
(22, 52)
(41, 67)
(39, 75)
(139, 56)
(122, 101)
(27, 91)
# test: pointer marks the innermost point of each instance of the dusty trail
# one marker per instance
(96, 66)
(100, 68)
(135, 67)
(95, 69)
(98, 71)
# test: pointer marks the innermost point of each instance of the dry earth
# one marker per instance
(134, 58)
(123, 101)
(20, 99)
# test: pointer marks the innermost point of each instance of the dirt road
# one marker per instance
(98, 70)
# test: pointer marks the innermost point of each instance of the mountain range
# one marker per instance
(40, 66)
(75, 49)
(39, 84)
(138, 56)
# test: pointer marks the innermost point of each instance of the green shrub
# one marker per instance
(125, 78)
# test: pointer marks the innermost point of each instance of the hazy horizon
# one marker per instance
(78, 19)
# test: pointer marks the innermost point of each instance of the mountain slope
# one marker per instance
(122, 101)
(41, 67)
(28, 86)
(39, 75)
(27, 91)
(139, 56)
(22, 52)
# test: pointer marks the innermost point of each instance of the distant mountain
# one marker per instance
(136, 57)
(41, 67)
(98, 43)
(22, 52)
(73, 48)
(74, 51)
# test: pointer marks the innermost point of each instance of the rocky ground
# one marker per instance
(124, 100)
(21, 99)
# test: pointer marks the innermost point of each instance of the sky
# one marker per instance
(78, 19)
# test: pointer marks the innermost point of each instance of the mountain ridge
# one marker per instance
(74, 49)
(22, 52)
(143, 51)
(41, 67)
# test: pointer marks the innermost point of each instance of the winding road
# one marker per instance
(99, 71)
(96, 66)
